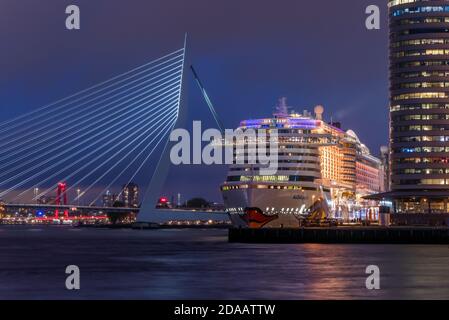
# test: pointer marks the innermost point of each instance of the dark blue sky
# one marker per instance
(248, 54)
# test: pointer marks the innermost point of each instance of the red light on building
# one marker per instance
(163, 200)
(163, 203)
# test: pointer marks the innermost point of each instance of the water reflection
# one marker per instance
(200, 264)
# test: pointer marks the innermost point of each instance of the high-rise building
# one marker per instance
(109, 199)
(130, 195)
(419, 105)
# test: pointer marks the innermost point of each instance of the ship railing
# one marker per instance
(307, 142)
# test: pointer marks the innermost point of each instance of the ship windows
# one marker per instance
(227, 188)
(272, 187)
(295, 169)
(301, 178)
(278, 178)
(263, 178)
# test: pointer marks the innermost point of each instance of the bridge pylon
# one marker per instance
(61, 194)
(152, 194)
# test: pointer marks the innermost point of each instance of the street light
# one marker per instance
(78, 192)
(36, 192)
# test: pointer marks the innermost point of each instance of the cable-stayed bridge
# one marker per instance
(109, 134)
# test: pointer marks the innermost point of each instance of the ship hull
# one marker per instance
(274, 208)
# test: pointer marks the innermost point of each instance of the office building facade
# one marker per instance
(419, 106)
(130, 195)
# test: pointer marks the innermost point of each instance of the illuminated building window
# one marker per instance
(424, 9)
(414, 85)
(392, 3)
(415, 53)
(421, 106)
(421, 117)
(430, 63)
(421, 95)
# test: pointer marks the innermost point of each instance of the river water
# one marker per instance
(201, 264)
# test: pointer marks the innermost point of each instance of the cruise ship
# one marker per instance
(318, 169)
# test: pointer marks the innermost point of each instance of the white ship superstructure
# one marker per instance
(319, 170)
(283, 199)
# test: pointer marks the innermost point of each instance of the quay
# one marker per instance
(362, 235)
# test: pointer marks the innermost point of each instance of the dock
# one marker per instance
(349, 235)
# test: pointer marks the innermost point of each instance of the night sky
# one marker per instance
(248, 54)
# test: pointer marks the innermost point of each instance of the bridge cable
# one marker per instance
(56, 129)
(40, 110)
(73, 155)
(82, 129)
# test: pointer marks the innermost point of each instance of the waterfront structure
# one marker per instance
(130, 195)
(323, 172)
(419, 109)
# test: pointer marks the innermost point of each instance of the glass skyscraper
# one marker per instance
(419, 108)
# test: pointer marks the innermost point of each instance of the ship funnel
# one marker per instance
(282, 108)
(319, 110)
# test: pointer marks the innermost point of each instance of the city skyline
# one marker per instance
(244, 72)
